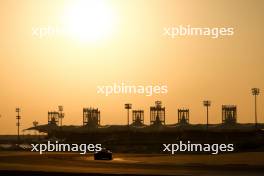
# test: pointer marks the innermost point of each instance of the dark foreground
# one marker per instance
(29, 163)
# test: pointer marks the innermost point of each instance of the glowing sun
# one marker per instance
(89, 20)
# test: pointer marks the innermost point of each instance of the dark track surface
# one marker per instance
(29, 163)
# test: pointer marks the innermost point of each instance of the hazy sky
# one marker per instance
(40, 74)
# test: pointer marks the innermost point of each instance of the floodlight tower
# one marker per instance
(255, 93)
(207, 103)
(61, 114)
(18, 117)
(35, 123)
(128, 106)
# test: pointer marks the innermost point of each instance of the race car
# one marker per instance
(104, 154)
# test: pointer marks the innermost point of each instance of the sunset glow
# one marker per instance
(89, 21)
(116, 42)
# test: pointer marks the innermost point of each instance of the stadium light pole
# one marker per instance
(35, 124)
(207, 103)
(255, 93)
(128, 106)
(61, 114)
(18, 117)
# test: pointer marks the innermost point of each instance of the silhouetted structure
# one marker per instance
(183, 116)
(18, 117)
(138, 117)
(53, 118)
(229, 114)
(91, 117)
(128, 106)
(207, 103)
(255, 93)
(35, 124)
(61, 114)
(157, 114)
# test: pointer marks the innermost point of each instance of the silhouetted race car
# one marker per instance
(104, 154)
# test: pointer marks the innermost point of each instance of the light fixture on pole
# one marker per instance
(18, 117)
(61, 114)
(207, 103)
(255, 93)
(128, 106)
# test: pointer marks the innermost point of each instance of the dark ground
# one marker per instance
(29, 163)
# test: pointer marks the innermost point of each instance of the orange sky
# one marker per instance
(40, 74)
